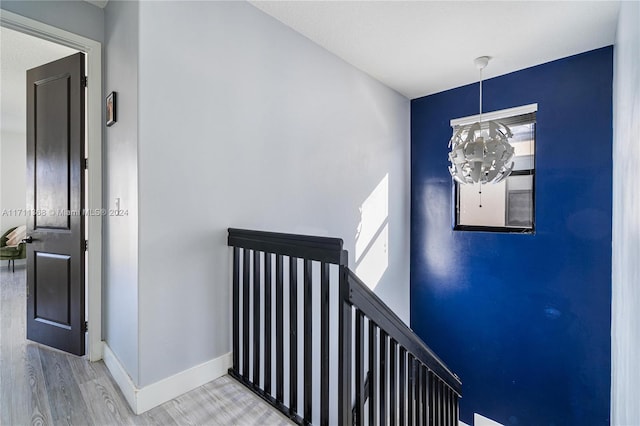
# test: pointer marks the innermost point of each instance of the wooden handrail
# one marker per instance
(377, 311)
(322, 249)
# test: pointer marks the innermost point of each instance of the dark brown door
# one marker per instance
(55, 188)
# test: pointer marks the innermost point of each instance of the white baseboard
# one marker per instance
(148, 397)
(165, 390)
(120, 376)
(479, 420)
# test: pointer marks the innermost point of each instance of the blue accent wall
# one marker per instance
(524, 320)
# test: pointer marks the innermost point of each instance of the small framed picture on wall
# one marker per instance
(111, 109)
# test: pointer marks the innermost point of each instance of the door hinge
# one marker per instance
(85, 326)
(86, 245)
(85, 81)
(85, 163)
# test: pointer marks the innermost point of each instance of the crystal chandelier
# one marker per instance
(480, 152)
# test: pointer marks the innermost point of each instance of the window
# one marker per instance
(507, 206)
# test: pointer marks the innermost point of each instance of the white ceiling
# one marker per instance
(424, 47)
(414, 47)
(18, 53)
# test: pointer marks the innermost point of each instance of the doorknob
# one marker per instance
(28, 240)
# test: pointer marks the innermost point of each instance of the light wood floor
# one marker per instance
(40, 386)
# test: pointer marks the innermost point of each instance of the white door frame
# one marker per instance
(93, 189)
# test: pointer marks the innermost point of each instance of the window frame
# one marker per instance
(508, 116)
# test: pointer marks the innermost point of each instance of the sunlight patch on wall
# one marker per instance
(372, 237)
(438, 252)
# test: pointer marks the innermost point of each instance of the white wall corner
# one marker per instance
(148, 397)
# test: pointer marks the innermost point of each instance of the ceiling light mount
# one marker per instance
(482, 62)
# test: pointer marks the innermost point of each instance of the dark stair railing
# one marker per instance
(312, 340)
(407, 384)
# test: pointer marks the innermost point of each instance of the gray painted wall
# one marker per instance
(625, 334)
(245, 123)
(13, 172)
(78, 17)
(120, 233)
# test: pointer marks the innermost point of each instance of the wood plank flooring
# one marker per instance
(41, 386)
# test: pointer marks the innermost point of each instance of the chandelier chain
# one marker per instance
(481, 95)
